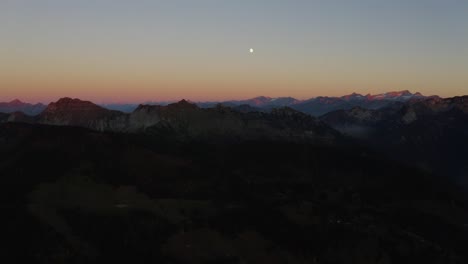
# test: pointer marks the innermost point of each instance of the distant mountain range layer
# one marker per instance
(18, 106)
(429, 132)
(315, 106)
(321, 105)
(181, 183)
(183, 120)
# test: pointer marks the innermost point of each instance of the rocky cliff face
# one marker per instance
(74, 112)
(149, 115)
(189, 120)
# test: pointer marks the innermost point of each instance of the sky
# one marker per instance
(149, 50)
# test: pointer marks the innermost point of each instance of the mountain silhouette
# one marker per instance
(180, 183)
(18, 106)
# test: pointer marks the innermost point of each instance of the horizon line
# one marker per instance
(102, 102)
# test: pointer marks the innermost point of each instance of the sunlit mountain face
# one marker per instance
(205, 131)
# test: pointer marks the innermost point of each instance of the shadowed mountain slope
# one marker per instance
(432, 134)
(75, 195)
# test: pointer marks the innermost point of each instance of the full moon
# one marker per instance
(251, 50)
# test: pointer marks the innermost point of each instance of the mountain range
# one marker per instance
(245, 183)
(184, 119)
(408, 127)
(321, 105)
(18, 106)
(315, 106)
(74, 195)
(431, 134)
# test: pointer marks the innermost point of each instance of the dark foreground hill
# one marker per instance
(71, 195)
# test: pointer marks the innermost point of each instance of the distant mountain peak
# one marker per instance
(19, 106)
(67, 100)
(68, 111)
(262, 98)
(183, 104)
(354, 95)
(400, 93)
(70, 105)
(16, 102)
(404, 92)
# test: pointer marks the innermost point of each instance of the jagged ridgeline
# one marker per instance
(186, 120)
(431, 134)
(186, 184)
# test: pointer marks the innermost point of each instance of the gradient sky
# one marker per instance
(150, 50)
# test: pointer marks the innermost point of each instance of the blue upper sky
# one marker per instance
(199, 49)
